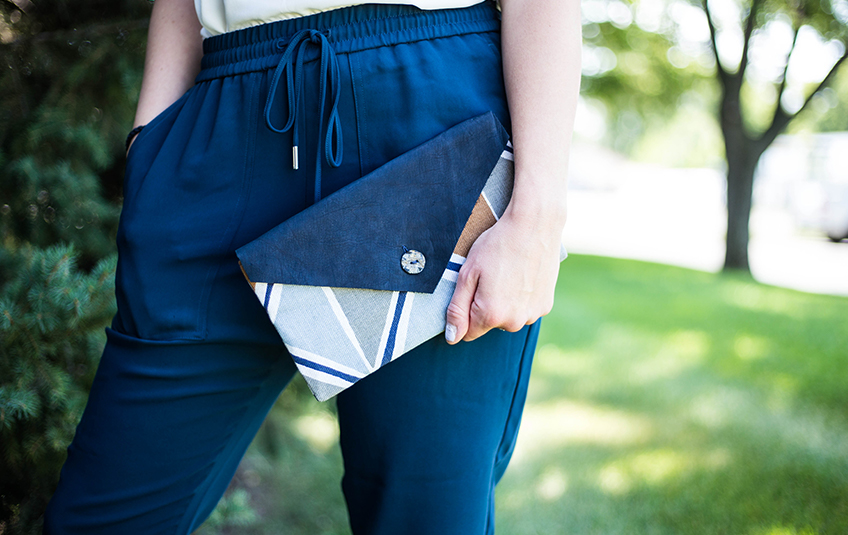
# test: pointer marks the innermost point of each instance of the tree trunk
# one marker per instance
(741, 163)
(742, 149)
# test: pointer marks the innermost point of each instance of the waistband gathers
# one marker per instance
(287, 45)
(291, 64)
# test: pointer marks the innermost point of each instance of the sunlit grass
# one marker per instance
(669, 401)
(663, 401)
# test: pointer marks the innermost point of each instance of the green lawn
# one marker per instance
(663, 401)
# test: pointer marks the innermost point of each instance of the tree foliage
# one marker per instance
(68, 90)
(51, 324)
(752, 106)
(636, 68)
(66, 99)
(732, 76)
(67, 95)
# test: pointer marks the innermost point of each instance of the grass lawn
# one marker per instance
(663, 401)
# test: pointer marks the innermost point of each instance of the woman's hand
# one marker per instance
(508, 279)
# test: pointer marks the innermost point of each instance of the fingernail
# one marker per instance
(450, 332)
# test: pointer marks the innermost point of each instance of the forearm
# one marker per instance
(173, 57)
(541, 42)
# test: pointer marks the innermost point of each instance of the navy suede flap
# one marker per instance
(355, 238)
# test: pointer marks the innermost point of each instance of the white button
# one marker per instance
(412, 262)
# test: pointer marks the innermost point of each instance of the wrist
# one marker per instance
(544, 219)
(542, 206)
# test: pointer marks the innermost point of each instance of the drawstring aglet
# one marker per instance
(294, 157)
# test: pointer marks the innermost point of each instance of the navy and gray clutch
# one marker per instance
(367, 273)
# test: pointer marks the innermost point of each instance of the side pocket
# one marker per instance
(132, 135)
(145, 149)
(161, 116)
(187, 183)
(156, 128)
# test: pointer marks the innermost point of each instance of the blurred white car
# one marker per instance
(807, 175)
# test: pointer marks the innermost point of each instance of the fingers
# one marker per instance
(459, 309)
(479, 323)
(471, 313)
(485, 316)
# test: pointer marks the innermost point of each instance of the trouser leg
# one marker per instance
(426, 439)
(163, 432)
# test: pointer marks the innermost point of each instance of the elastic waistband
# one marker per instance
(348, 29)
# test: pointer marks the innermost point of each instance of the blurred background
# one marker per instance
(693, 375)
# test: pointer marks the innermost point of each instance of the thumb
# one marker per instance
(459, 309)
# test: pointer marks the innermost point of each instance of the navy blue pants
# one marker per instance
(192, 364)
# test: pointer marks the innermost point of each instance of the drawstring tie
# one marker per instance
(292, 64)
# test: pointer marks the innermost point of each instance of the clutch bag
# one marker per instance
(366, 274)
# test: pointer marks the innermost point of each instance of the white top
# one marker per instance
(220, 16)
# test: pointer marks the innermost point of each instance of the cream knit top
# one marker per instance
(220, 16)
